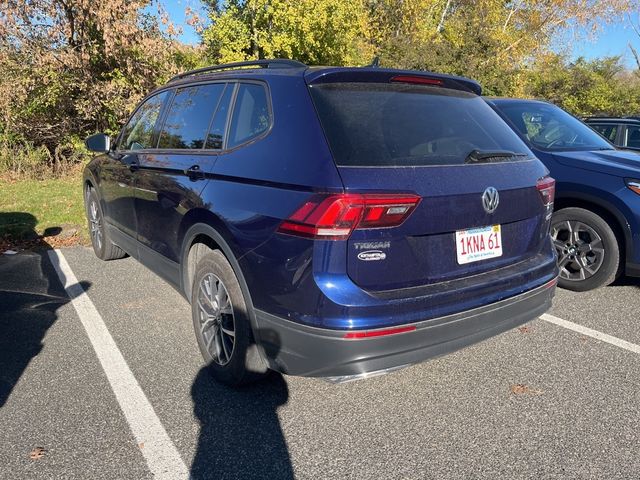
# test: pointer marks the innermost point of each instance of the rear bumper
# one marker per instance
(302, 350)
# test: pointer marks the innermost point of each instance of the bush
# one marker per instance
(73, 68)
(19, 160)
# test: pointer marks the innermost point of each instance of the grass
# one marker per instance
(31, 209)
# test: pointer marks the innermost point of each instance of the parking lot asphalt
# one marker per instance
(537, 402)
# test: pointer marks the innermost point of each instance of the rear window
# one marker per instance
(386, 125)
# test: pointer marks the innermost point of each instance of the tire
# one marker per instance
(222, 327)
(102, 245)
(588, 250)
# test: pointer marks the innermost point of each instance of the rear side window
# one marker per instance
(633, 137)
(189, 116)
(138, 133)
(218, 124)
(607, 131)
(251, 115)
(387, 125)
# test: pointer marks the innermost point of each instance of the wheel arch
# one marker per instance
(205, 229)
(609, 213)
(90, 181)
(202, 227)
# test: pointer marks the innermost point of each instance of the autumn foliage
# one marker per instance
(73, 67)
(70, 67)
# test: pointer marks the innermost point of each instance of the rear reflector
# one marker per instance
(378, 333)
(334, 217)
(417, 80)
(547, 188)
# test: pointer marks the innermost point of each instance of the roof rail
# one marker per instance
(273, 63)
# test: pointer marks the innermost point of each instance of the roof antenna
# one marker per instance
(375, 63)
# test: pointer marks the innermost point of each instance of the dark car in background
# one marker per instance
(596, 223)
(328, 222)
(623, 132)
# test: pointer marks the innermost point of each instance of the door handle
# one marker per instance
(194, 172)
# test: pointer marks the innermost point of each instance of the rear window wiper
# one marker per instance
(489, 156)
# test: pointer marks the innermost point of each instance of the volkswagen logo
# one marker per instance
(490, 200)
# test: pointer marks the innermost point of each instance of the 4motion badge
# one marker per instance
(372, 255)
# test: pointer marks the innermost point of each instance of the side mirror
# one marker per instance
(99, 143)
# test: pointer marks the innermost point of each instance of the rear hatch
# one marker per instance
(439, 140)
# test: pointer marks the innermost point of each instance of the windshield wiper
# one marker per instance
(488, 156)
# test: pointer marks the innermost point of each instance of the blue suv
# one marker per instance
(596, 225)
(327, 222)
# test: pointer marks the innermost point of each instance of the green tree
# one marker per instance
(583, 87)
(490, 40)
(312, 31)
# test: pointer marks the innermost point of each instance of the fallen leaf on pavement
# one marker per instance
(521, 388)
(37, 453)
(524, 329)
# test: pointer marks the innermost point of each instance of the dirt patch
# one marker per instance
(58, 237)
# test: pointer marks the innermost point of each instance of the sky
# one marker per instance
(176, 9)
(612, 39)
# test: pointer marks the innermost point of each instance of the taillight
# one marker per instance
(547, 188)
(334, 217)
(416, 79)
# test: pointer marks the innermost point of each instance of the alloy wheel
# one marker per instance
(217, 322)
(580, 250)
(95, 224)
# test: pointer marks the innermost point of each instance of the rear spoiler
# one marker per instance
(315, 76)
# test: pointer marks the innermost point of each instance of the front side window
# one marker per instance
(607, 131)
(189, 116)
(138, 133)
(550, 128)
(251, 115)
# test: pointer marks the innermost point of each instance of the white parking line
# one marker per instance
(160, 453)
(618, 342)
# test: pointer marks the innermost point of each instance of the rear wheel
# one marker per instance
(221, 322)
(588, 250)
(102, 245)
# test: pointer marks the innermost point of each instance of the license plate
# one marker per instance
(478, 244)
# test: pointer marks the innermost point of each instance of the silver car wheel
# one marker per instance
(217, 322)
(95, 224)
